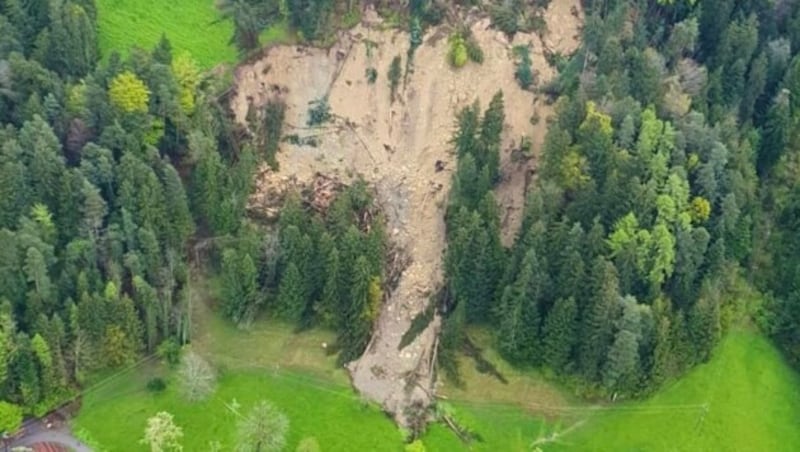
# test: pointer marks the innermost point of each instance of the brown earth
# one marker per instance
(395, 146)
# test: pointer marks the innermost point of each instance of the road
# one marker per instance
(37, 432)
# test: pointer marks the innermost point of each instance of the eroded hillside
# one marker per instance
(401, 148)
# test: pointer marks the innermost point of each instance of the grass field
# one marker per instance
(745, 399)
(190, 25)
(751, 402)
(115, 414)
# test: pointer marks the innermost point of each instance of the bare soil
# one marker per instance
(397, 147)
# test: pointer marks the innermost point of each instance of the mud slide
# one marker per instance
(400, 148)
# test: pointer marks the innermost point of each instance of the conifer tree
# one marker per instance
(597, 329)
(559, 334)
(291, 301)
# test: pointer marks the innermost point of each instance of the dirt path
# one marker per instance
(396, 146)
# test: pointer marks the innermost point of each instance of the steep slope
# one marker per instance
(402, 148)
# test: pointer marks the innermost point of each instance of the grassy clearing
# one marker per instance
(115, 414)
(266, 344)
(189, 25)
(525, 388)
(752, 399)
(501, 428)
(746, 398)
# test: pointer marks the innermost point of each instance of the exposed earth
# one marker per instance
(402, 149)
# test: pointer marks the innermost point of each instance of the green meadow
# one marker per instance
(745, 398)
(192, 26)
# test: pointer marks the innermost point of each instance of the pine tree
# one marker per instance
(73, 40)
(490, 134)
(559, 334)
(44, 358)
(663, 363)
(355, 336)
(569, 264)
(94, 210)
(704, 324)
(180, 225)
(775, 134)
(43, 159)
(23, 368)
(597, 321)
(468, 120)
(327, 309)
(622, 367)
(297, 249)
(147, 301)
(291, 302)
(520, 312)
(240, 285)
(14, 188)
(162, 53)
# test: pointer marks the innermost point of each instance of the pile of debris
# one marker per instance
(322, 192)
(271, 189)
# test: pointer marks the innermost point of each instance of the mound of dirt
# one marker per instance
(402, 148)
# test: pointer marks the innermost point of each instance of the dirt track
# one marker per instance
(396, 146)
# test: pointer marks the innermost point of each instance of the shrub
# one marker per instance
(319, 113)
(170, 352)
(457, 55)
(504, 19)
(372, 75)
(474, 51)
(524, 73)
(395, 71)
(156, 384)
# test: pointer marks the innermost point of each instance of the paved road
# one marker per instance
(36, 432)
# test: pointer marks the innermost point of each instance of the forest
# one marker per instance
(665, 172)
(667, 180)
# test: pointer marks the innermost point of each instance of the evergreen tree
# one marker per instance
(520, 312)
(180, 225)
(775, 134)
(291, 302)
(597, 329)
(240, 286)
(327, 309)
(73, 41)
(354, 337)
(559, 334)
(490, 130)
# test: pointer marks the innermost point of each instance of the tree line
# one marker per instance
(664, 174)
(312, 269)
(96, 165)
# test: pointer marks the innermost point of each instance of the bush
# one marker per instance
(319, 113)
(524, 73)
(457, 55)
(170, 352)
(156, 384)
(372, 75)
(395, 71)
(504, 19)
(474, 51)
